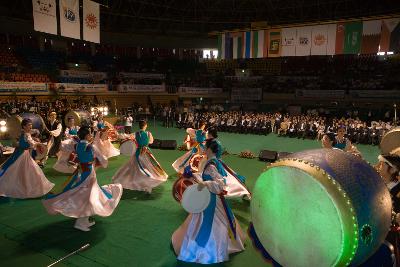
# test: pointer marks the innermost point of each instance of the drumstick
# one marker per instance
(70, 254)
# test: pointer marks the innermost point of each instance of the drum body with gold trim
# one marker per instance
(14, 123)
(81, 117)
(322, 207)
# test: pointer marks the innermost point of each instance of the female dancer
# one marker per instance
(82, 196)
(197, 148)
(210, 236)
(20, 175)
(142, 172)
(67, 151)
(235, 183)
(101, 140)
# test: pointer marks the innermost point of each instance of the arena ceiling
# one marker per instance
(199, 17)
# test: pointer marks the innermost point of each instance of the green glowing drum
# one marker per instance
(322, 207)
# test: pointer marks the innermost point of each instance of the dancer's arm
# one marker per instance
(217, 184)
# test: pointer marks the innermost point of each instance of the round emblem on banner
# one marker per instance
(91, 21)
(319, 39)
(69, 15)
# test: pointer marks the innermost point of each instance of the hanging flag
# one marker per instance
(238, 45)
(254, 44)
(247, 45)
(288, 42)
(228, 46)
(303, 41)
(91, 21)
(331, 45)
(274, 43)
(390, 35)
(259, 47)
(339, 47)
(261, 44)
(221, 46)
(319, 40)
(69, 19)
(352, 37)
(44, 16)
(266, 43)
(371, 35)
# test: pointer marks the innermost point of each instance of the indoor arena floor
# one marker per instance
(139, 231)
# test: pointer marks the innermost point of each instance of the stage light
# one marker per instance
(3, 129)
(105, 113)
(242, 71)
(105, 108)
(390, 53)
(101, 109)
(380, 53)
(92, 113)
(76, 65)
(3, 123)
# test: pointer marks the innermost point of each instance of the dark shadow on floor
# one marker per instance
(140, 195)
(59, 236)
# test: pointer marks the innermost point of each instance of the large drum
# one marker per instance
(81, 117)
(322, 207)
(390, 141)
(14, 123)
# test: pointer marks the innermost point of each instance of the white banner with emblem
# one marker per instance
(44, 16)
(69, 19)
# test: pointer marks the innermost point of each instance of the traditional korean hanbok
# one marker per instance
(103, 143)
(210, 236)
(67, 153)
(82, 196)
(142, 172)
(235, 183)
(196, 150)
(20, 175)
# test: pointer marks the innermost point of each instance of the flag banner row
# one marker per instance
(45, 18)
(354, 37)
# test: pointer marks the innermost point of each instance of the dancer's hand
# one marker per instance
(201, 186)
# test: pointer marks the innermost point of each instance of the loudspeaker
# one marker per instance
(283, 155)
(267, 155)
(168, 144)
(156, 143)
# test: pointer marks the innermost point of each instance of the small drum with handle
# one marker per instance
(195, 200)
(180, 186)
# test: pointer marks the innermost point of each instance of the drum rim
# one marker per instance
(344, 204)
(204, 191)
(384, 138)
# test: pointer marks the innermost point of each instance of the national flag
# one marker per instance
(371, 35)
(353, 35)
(390, 35)
(274, 43)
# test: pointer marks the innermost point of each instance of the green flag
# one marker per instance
(352, 37)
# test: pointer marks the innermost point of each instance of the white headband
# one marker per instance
(383, 159)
